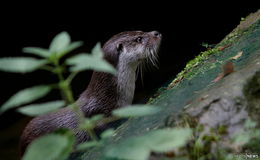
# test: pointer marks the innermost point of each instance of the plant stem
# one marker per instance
(71, 77)
(47, 68)
(67, 92)
(65, 88)
(108, 119)
(92, 134)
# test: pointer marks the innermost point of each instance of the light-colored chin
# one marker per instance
(126, 74)
(126, 77)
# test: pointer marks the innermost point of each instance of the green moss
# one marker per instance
(222, 129)
(190, 69)
(232, 37)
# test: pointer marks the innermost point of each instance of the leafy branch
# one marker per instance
(49, 59)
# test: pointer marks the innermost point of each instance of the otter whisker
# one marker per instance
(152, 57)
(142, 73)
(140, 70)
(137, 71)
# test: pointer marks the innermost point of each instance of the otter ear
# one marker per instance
(119, 47)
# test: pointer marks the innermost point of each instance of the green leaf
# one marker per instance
(85, 61)
(87, 145)
(49, 147)
(60, 42)
(74, 45)
(168, 139)
(129, 149)
(20, 64)
(107, 133)
(241, 138)
(37, 51)
(39, 109)
(93, 61)
(25, 96)
(69, 48)
(87, 124)
(69, 134)
(97, 51)
(139, 147)
(96, 118)
(90, 123)
(136, 111)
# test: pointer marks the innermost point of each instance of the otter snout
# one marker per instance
(156, 34)
(155, 38)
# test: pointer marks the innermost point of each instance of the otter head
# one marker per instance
(132, 47)
(127, 51)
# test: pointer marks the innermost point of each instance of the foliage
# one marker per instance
(50, 60)
(21, 64)
(51, 146)
(139, 147)
(136, 111)
(26, 96)
(94, 60)
(43, 108)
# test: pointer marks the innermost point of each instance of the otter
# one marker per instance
(105, 92)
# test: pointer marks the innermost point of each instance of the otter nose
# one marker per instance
(156, 33)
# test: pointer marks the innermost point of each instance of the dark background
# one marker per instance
(183, 26)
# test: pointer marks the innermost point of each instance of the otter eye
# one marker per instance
(119, 47)
(139, 39)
